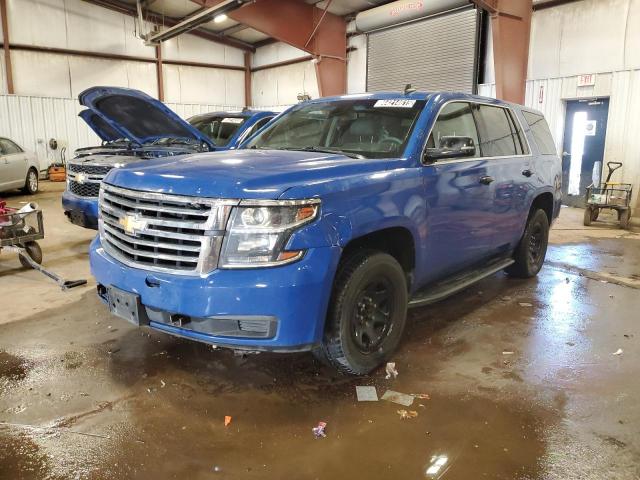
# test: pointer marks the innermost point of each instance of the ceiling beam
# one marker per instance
(158, 19)
(314, 30)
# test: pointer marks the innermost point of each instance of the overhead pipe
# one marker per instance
(194, 21)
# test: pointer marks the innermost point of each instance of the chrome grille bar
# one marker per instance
(162, 232)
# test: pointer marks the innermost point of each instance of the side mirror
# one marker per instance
(452, 147)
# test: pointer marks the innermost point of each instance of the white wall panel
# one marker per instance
(281, 85)
(38, 22)
(590, 36)
(189, 48)
(3, 74)
(274, 53)
(37, 73)
(357, 65)
(185, 84)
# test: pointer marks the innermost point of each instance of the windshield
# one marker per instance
(219, 129)
(365, 128)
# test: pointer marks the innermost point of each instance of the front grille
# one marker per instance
(162, 232)
(84, 179)
(90, 169)
(84, 189)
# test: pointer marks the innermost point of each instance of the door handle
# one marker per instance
(486, 180)
(527, 173)
(566, 154)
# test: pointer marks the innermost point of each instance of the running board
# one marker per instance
(438, 291)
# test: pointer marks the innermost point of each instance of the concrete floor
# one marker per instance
(85, 395)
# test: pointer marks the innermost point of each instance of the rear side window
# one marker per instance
(454, 120)
(499, 135)
(541, 133)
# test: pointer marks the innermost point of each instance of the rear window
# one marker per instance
(220, 129)
(541, 133)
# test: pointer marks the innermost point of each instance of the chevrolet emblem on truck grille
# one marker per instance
(132, 224)
(81, 178)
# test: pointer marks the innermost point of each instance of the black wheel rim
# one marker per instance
(536, 244)
(371, 319)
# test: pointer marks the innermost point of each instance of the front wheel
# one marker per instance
(31, 182)
(532, 249)
(367, 314)
(588, 216)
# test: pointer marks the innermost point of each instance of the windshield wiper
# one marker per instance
(327, 150)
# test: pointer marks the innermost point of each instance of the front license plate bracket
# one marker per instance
(127, 305)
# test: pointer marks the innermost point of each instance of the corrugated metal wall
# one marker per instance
(432, 54)
(32, 121)
(623, 89)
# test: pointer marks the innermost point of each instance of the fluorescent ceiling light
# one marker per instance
(220, 18)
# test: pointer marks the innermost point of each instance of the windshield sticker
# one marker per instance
(232, 120)
(395, 103)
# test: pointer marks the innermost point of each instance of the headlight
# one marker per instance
(257, 232)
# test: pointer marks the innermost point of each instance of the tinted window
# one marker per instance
(454, 120)
(521, 143)
(497, 137)
(8, 147)
(541, 133)
(367, 127)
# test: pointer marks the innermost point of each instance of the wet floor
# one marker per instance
(520, 376)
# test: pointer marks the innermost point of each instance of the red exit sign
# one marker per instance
(586, 80)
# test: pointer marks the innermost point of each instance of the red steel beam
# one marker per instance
(304, 26)
(5, 43)
(247, 79)
(511, 26)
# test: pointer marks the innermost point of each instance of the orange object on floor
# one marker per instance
(57, 174)
(227, 420)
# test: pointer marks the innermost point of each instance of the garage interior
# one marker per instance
(512, 379)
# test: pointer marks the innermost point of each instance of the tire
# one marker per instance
(34, 251)
(625, 218)
(588, 216)
(532, 249)
(594, 214)
(31, 183)
(367, 313)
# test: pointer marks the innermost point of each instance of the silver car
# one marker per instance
(18, 168)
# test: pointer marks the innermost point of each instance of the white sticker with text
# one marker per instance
(395, 103)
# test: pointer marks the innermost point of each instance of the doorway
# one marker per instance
(585, 129)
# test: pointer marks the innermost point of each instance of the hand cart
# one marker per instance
(19, 232)
(612, 195)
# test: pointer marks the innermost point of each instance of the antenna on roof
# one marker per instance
(409, 89)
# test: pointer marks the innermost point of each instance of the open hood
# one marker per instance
(138, 116)
(106, 132)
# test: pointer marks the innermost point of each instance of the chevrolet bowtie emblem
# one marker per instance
(81, 178)
(132, 224)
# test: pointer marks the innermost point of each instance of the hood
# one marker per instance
(106, 132)
(247, 174)
(138, 116)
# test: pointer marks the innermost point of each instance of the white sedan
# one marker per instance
(18, 168)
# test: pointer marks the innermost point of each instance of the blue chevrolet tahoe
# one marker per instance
(134, 127)
(327, 225)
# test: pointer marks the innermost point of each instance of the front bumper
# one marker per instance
(81, 211)
(290, 300)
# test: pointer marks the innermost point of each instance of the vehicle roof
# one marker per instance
(443, 95)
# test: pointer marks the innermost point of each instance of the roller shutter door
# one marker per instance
(433, 54)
